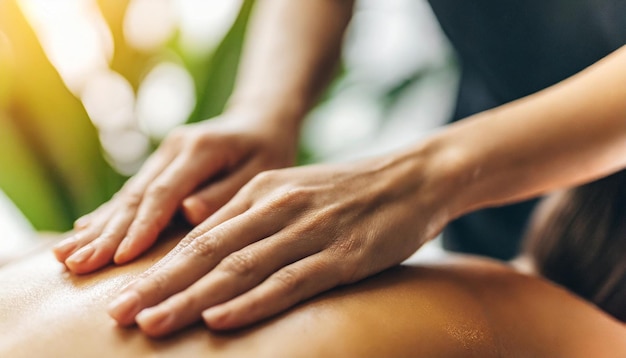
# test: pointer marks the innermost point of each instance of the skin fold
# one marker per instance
(463, 306)
(268, 238)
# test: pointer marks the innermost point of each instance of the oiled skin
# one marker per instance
(465, 307)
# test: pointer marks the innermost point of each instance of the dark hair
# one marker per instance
(578, 240)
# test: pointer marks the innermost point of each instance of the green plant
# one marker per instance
(51, 163)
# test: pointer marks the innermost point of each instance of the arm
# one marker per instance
(292, 233)
(568, 134)
(289, 57)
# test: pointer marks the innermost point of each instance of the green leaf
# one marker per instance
(25, 181)
(51, 129)
(215, 74)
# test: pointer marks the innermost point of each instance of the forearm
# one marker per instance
(568, 134)
(291, 52)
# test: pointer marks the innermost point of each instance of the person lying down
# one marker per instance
(462, 307)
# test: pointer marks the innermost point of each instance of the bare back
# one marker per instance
(462, 308)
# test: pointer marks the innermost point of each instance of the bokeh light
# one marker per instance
(148, 24)
(203, 23)
(74, 37)
(388, 40)
(110, 101)
(165, 99)
(127, 148)
(399, 83)
(139, 68)
(342, 124)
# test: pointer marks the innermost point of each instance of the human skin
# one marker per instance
(464, 306)
(290, 234)
(199, 168)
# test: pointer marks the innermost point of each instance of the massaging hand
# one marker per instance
(198, 167)
(286, 235)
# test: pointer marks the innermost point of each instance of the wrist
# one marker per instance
(446, 180)
(275, 133)
(416, 177)
(274, 110)
(471, 170)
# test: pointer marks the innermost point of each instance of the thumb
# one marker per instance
(203, 203)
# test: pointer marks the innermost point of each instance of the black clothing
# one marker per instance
(510, 49)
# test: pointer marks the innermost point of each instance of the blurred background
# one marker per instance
(88, 88)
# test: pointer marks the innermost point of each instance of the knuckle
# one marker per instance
(132, 199)
(187, 241)
(345, 246)
(195, 233)
(155, 283)
(158, 190)
(292, 197)
(203, 246)
(288, 279)
(265, 178)
(295, 195)
(239, 263)
(260, 183)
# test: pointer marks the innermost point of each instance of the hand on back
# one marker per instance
(197, 168)
(286, 236)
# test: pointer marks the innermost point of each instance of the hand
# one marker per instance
(199, 167)
(286, 236)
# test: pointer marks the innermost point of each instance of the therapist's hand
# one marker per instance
(286, 236)
(198, 168)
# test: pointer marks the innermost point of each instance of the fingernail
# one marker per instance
(122, 251)
(195, 210)
(66, 245)
(81, 222)
(193, 204)
(82, 255)
(215, 317)
(125, 307)
(155, 319)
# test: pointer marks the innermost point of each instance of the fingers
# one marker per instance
(92, 226)
(285, 288)
(235, 274)
(99, 252)
(148, 201)
(70, 245)
(83, 221)
(82, 236)
(97, 249)
(227, 212)
(191, 260)
(160, 201)
(200, 205)
(139, 212)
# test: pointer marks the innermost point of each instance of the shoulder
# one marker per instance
(536, 316)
